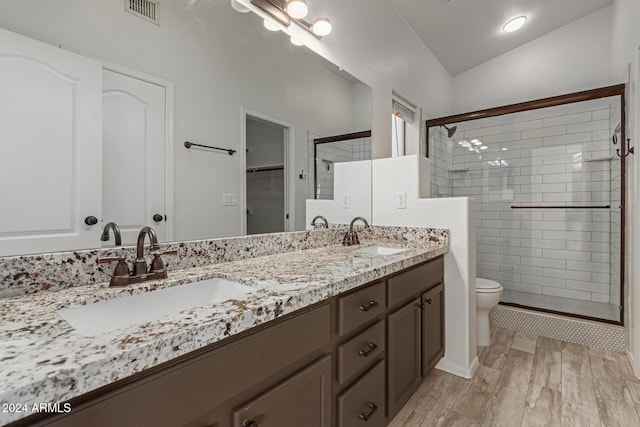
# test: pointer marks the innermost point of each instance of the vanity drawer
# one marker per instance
(360, 351)
(360, 307)
(363, 403)
(406, 285)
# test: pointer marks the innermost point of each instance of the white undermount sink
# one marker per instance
(379, 251)
(105, 316)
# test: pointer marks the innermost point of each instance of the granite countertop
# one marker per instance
(44, 360)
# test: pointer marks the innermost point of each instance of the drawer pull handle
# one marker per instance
(372, 410)
(367, 352)
(249, 423)
(369, 306)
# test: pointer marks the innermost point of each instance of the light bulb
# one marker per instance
(296, 41)
(321, 27)
(269, 25)
(297, 9)
(238, 7)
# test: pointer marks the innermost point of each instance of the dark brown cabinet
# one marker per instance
(302, 400)
(352, 360)
(404, 362)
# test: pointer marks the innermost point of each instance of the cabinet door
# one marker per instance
(302, 400)
(432, 328)
(51, 149)
(404, 346)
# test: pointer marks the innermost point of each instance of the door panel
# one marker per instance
(133, 152)
(50, 156)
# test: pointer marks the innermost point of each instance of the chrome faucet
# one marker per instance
(314, 225)
(351, 237)
(111, 226)
(123, 276)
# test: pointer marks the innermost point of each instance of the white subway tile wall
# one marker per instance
(440, 155)
(556, 156)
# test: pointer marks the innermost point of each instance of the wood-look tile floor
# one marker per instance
(529, 380)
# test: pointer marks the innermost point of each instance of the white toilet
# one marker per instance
(488, 294)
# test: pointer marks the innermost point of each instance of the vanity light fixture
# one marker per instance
(514, 24)
(285, 12)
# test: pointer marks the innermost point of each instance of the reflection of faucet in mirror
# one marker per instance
(116, 233)
(320, 217)
(351, 237)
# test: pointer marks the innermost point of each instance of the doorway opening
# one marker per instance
(267, 200)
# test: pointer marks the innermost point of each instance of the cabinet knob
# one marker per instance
(249, 423)
(372, 410)
(158, 218)
(91, 220)
(429, 301)
(370, 305)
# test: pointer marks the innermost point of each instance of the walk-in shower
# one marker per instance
(548, 179)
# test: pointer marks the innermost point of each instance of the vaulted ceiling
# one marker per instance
(465, 33)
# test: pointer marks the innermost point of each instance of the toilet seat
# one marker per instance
(487, 286)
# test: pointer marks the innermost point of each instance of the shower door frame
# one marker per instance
(603, 92)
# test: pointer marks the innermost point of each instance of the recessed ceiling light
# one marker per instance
(475, 140)
(514, 24)
(484, 147)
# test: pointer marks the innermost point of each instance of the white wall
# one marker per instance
(625, 44)
(458, 216)
(220, 61)
(351, 179)
(572, 58)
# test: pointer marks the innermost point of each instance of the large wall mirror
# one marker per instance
(122, 95)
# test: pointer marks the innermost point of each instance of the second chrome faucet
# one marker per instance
(141, 273)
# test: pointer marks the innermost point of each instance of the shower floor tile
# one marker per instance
(599, 310)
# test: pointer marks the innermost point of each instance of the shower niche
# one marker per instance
(548, 179)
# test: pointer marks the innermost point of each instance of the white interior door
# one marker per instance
(50, 147)
(133, 184)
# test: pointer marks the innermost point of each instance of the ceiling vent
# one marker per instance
(145, 9)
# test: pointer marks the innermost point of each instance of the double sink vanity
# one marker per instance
(274, 330)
